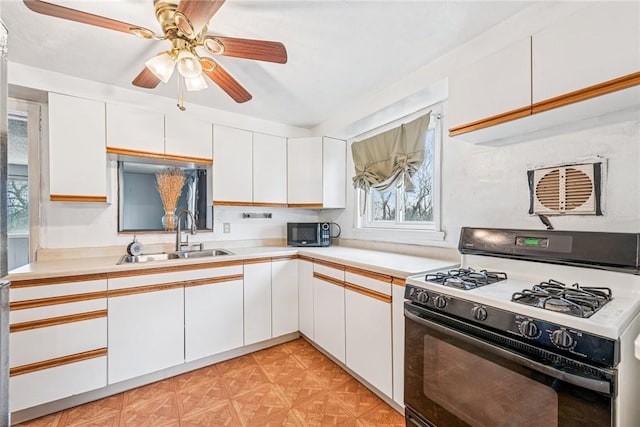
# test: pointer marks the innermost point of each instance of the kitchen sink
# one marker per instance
(173, 255)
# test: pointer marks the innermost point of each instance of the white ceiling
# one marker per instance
(339, 51)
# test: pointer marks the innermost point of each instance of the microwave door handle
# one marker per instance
(587, 383)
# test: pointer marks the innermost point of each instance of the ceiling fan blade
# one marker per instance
(146, 79)
(251, 49)
(57, 11)
(223, 79)
(199, 12)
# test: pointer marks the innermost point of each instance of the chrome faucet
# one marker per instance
(179, 231)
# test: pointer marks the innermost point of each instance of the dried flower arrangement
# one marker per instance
(169, 183)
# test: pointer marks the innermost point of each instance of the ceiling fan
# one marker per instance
(184, 25)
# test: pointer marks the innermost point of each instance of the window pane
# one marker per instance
(418, 203)
(17, 205)
(383, 205)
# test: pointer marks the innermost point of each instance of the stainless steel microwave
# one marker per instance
(308, 234)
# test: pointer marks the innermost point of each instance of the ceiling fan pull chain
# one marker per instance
(180, 104)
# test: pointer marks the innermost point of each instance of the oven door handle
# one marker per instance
(587, 383)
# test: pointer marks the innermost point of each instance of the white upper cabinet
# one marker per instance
(233, 166)
(186, 136)
(600, 42)
(316, 168)
(135, 129)
(77, 157)
(269, 169)
(495, 85)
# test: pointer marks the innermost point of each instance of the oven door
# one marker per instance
(455, 379)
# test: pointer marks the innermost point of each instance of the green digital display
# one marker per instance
(532, 242)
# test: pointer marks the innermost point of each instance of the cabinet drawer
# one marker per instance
(57, 310)
(334, 271)
(22, 293)
(369, 280)
(47, 385)
(174, 276)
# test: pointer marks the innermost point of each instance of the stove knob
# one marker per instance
(440, 302)
(479, 313)
(529, 329)
(562, 338)
(422, 297)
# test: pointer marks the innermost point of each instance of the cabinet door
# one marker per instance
(305, 298)
(146, 333)
(269, 169)
(598, 43)
(135, 129)
(495, 85)
(232, 165)
(213, 319)
(257, 302)
(328, 317)
(188, 137)
(334, 183)
(304, 166)
(77, 156)
(284, 296)
(368, 333)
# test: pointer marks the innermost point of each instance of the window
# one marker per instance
(403, 207)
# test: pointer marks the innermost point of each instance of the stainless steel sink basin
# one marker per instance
(174, 255)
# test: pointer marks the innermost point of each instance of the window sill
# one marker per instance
(415, 237)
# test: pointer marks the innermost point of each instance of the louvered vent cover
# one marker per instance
(565, 190)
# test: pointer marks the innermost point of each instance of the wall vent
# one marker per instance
(565, 190)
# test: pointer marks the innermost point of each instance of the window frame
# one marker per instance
(402, 230)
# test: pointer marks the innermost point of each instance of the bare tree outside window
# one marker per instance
(383, 205)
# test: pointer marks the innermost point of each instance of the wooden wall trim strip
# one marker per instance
(151, 155)
(53, 321)
(368, 292)
(169, 269)
(369, 274)
(491, 121)
(604, 88)
(398, 281)
(257, 260)
(305, 205)
(144, 289)
(328, 279)
(65, 299)
(284, 257)
(77, 199)
(213, 280)
(306, 258)
(329, 264)
(59, 361)
(57, 280)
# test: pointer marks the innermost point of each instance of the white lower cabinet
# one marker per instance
(328, 316)
(257, 301)
(284, 296)
(305, 297)
(213, 318)
(146, 333)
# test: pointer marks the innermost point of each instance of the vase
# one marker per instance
(169, 220)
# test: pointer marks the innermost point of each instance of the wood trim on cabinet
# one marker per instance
(603, 88)
(150, 155)
(328, 279)
(284, 258)
(172, 268)
(368, 292)
(305, 205)
(65, 299)
(256, 260)
(57, 280)
(269, 204)
(491, 121)
(58, 361)
(329, 264)
(398, 281)
(213, 280)
(53, 321)
(306, 258)
(231, 203)
(144, 289)
(370, 274)
(78, 199)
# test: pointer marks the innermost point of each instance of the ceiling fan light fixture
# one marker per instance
(195, 84)
(161, 66)
(188, 65)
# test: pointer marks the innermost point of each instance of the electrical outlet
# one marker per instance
(226, 227)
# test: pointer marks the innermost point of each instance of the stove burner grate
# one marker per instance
(466, 278)
(576, 300)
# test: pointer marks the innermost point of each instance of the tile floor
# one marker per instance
(291, 384)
